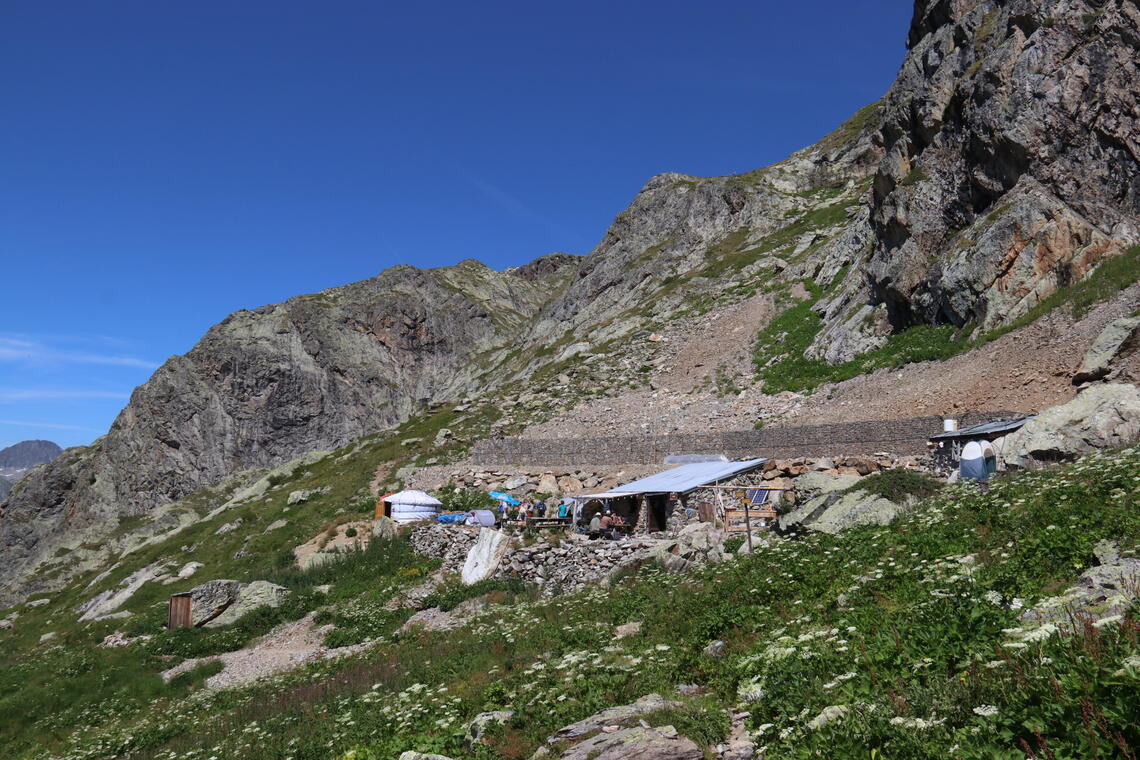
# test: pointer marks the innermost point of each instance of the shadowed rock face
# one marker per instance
(1012, 164)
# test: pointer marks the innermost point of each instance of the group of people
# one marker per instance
(607, 524)
(531, 509)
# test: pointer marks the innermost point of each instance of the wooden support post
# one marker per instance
(747, 524)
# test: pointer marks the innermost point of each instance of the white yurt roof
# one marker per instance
(973, 450)
(414, 498)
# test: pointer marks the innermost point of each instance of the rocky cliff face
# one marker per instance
(1012, 163)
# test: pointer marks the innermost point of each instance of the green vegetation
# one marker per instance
(910, 635)
(463, 500)
(792, 332)
(899, 484)
(452, 592)
(914, 176)
(867, 117)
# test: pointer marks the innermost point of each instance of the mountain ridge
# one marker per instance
(921, 209)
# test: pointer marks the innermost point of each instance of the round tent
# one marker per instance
(973, 462)
(410, 506)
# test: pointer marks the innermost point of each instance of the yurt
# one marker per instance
(410, 506)
(972, 464)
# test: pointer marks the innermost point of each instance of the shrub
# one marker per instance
(898, 483)
(449, 596)
(350, 533)
(464, 500)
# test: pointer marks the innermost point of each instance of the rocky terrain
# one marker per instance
(1000, 167)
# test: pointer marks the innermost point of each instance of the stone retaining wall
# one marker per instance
(905, 436)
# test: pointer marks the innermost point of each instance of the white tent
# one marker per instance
(410, 506)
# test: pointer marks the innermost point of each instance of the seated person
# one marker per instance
(596, 523)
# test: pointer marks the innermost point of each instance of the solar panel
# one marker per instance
(758, 496)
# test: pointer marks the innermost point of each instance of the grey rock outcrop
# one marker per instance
(1119, 338)
(1010, 145)
(612, 734)
(250, 597)
(476, 728)
(839, 510)
(1011, 166)
(107, 602)
(611, 716)
(813, 484)
(210, 599)
(1100, 417)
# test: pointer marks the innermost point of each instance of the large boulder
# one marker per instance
(385, 527)
(249, 598)
(210, 599)
(620, 733)
(813, 484)
(548, 483)
(613, 715)
(636, 743)
(1100, 417)
(1121, 336)
(485, 555)
(838, 511)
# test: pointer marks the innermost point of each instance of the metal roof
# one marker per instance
(683, 479)
(986, 428)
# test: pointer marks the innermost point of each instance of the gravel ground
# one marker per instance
(285, 647)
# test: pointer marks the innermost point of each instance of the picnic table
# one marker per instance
(549, 523)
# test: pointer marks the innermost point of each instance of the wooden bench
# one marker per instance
(549, 523)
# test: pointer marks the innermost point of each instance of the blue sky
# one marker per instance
(164, 164)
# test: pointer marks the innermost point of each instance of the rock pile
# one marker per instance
(849, 465)
(565, 563)
(572, 563)
(524, 481)
(450, 543)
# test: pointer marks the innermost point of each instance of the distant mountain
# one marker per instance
(21, 457)
(27, 454)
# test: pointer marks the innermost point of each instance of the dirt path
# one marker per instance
(288, 646)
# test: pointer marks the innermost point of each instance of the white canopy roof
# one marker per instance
(414, 498)
(687, 477)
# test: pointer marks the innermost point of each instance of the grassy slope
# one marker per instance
(920, 651)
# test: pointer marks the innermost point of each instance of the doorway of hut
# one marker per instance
(658, 511)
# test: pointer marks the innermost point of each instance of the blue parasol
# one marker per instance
(504, 497)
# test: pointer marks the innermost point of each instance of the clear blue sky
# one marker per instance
(164, 164)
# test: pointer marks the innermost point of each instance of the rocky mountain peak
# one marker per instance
(1001, 165)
